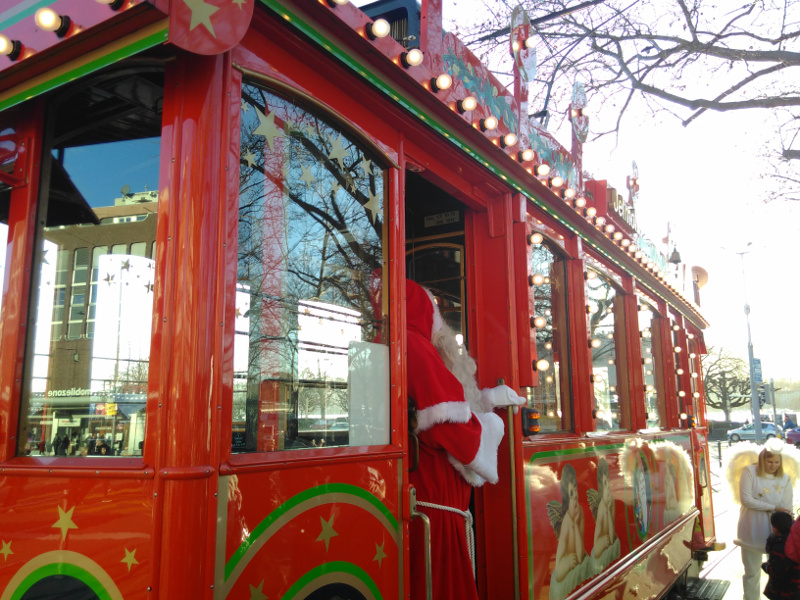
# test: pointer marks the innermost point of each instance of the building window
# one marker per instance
(547, 295)
(85, 393)
(311, 366)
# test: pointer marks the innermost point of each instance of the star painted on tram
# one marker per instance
(267, 128)
(201, 15)
(130, 559)
(310, 131)
(307, 176)
(335, 187)
(109, 279)
(372, 206)
(65, 522)
(366, 165)
(337, 151)
(126, 265)
(149, 287)
(6, 550)
(250, 159)
(327, 532)
(239, 3)
(256, 592)
(245, 106)
(44, 257)
(379, 554)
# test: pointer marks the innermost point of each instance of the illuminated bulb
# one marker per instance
(692, 355)
(610, 228)
(555, 181)
(694, 375)
(535, 238)
(590, 212)
(549, 379)
(530, 42)
(526, 155)
(632, 248)
(515, 46)
(508, 139)
(595, 343)
(683, 416)
(599, 221)
(467, 104)
(625, 242)
(696, 394)
(679, 371)
(681, 393)
(637, 254)
(537, 279)
(542, 365)
(540, 322)
(568, 193)
(649, 388)
(579, 202)
(590, 275)
(599, 414)
(648, 361)
(612, 388)
(576, 112)
(412, 58)
(590, 309)
(611, 361)
(548, 346)
(488, 124)
(618, 235)
(649, 372)
(676, 328)
(11, 48)
(48, 20)
(541, 170)
(379, 28)
(610, 336)
(442, 82)
(459, 339)
(690, 336)
(677, 349)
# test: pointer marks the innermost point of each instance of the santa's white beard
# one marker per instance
(460, 364)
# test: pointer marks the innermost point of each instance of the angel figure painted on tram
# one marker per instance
(671, 509)
(606, 547)
(572, 562)
(641, 497)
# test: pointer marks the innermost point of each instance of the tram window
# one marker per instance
(651, 365)
(87, 357)
(311, 366)
(610, 393)
(547, 278)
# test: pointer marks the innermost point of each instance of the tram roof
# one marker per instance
(97, 34)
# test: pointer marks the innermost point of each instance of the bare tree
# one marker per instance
(686, 57)
(727, 381)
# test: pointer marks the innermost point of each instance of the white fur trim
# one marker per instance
(443, 412)
(483, 467)
(438, 323)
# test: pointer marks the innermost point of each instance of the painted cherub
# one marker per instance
(566, 517)
(606, 546)
(671, 508)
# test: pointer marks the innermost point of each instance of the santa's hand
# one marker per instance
(500, 396)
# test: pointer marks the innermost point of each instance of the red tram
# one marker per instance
(211, 209)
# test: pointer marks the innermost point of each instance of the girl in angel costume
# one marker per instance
(761, 481)
(458, 435)
(606, 547)
(572, 563)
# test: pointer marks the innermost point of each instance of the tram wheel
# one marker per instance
(735, 438)
(336, 591)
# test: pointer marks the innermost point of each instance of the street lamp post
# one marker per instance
(754, 405)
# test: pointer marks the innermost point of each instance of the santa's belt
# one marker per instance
(467, 522)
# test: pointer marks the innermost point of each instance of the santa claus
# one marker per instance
(458, 439)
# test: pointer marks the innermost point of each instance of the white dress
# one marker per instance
(760, 496)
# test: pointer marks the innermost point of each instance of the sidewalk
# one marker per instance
(725, 564)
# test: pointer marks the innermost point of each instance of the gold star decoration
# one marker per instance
(337, 151)
(366, 165)
(109, 279)
(372, 206)
(327, 532)
(126, 265)
(130, 559)
(201, 14)
(245, 106)
(256, 593)
(267, 128)
(335, 187)
(307, 176)
(6, 550)
(149, 287)
(64, 522)
(310, 131)
(250, 158)
(239, 3)
(379, 554)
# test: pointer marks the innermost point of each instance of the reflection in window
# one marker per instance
(310, 366)
(650, 363)
(600, 299)
(547, 281)
(88, 353)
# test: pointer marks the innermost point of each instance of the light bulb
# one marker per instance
(467, 104)
(535, 238)
(537, 279)
(379, 28)
(509, 139)
(412, 58)
(442, 82)
(555, 181)
(595, 343)
(540, 322)
(48, 20)
(542, 365)
(526, 155)
(541, 170)
(489, 123)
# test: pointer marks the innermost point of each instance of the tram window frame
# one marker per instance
(256, 437)
(557, 326)
(683, 392)
(107, 422)
(621, 388)
(696, 374)
(647, 304)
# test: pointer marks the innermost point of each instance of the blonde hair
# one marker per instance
(762, 459)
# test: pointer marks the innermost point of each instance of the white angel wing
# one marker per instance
(739, 456)
(791, 464)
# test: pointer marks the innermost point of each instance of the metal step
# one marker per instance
(705, 589)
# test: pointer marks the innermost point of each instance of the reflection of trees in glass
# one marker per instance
(646, 319)
(310, 228)
(600, 297)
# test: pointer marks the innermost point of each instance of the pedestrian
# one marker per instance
(784, 573)
(793, 542)
(762, 485)
(788, 423)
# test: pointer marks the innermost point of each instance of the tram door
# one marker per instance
(442, 234)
